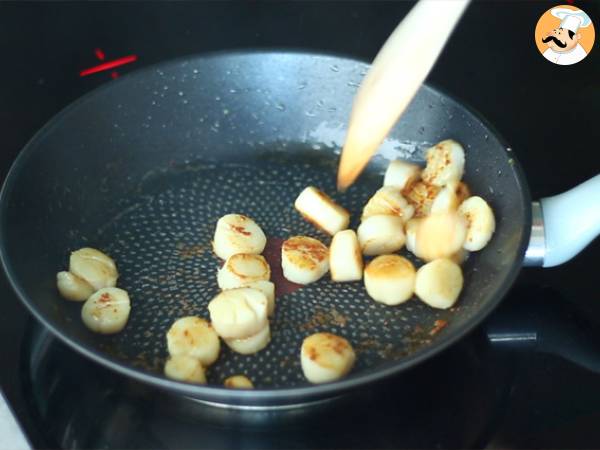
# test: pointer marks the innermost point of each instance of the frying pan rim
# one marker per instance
(277, 396)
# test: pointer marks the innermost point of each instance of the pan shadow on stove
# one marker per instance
(510, 384)
(452, 401)
(555, 396)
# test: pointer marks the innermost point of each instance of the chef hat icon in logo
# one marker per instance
(564, 35)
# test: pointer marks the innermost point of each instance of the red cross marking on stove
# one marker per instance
(107, 65)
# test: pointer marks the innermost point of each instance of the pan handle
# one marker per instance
(564, 224)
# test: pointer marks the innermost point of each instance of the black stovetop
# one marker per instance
(517, 382)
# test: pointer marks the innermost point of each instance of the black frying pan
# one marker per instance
(143, 167)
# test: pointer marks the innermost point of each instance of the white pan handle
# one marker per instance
(564, 224)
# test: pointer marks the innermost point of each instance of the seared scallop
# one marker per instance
(238, 382)
(251, 344)
(345, 257)
(401, 174)
(242, 269)
(185, 368)
(421, 196)
(410, 229)
(106, 311)
(267, 288)
(388, 201)
(445, 163)
(320, 210)
(379, 235)
(95, 267)
(390, 279)
(439, 283)
(440, 235)
(238, 313)
(480, 223)
(236, 233)
(326, 357)
(450, 197)
(72, 287)
(304, 260)
(195, 337)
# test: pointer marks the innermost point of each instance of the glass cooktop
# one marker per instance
(527, 378)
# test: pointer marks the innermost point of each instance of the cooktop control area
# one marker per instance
(529, 377)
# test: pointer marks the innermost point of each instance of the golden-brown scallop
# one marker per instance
(326, 357)
(267, 288)
(379, 235)
(345, 257)
(238, 313)
(185, 368)
(241, 269)
(95, 267)
(251, 344)
(390, 279)
(304, 260)
(401, 174)
(236, 233)
(106, 311)
(445, 163)
(320, 210)
(195, 337)
(410, 230)
(238, 382)
(450, 197)
(439, 283)
(72, 287)
(421, 196)
(388, 201)
(440, 235)
(481, 223)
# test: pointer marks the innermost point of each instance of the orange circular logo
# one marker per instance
(564, 35)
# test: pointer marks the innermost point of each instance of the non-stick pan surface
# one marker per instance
(144, 167)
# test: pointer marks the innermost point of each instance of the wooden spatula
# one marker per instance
(393, 80)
